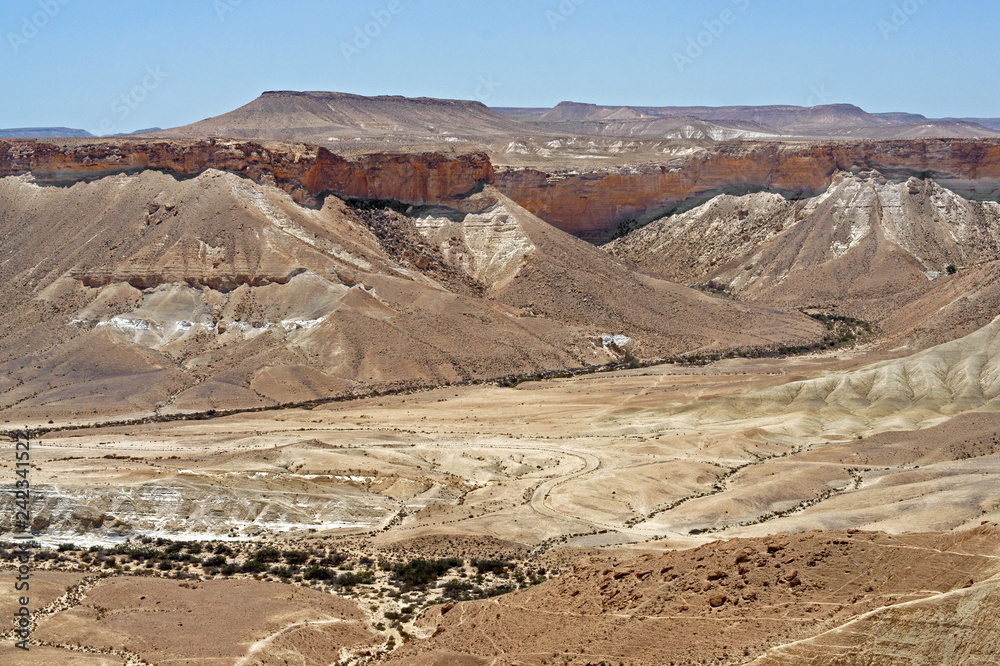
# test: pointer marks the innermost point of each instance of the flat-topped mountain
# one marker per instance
(44, 133)
(321, 117)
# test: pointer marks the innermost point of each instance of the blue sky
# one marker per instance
(127, 64)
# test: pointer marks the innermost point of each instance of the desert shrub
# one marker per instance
(418, 573)
(316, 572)
(267, 554)
(352, 578)
(334, 559)
(296, 556)
(491, 566)
(253, 566)
(458, 589)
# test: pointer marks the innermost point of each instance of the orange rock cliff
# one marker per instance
(590, 204)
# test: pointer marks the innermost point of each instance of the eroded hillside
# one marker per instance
(221, 293)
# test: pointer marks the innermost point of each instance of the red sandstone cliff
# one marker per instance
(590, 205)
(587, 204)
(303, 171)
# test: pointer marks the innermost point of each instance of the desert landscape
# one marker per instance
(337, 379)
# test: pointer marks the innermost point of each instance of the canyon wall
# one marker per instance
(302, 171)
(592, 204)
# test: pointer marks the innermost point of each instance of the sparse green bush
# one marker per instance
(334, 559)
(458, 589)
(491, 566)
(253, 566)
(418, 573)
(352, 578)
(215, 561)
(296, 556)
(267, 554)
(316, 572)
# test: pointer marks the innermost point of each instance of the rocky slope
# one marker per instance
(596, 203)
(865, 248)
(141, 292)
(729, 602)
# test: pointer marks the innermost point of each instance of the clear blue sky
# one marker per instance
(178, 61)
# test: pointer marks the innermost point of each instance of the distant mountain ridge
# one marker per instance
(44, 133)
(779, 121)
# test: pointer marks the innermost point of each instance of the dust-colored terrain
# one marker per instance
(329, 118)
(727, 602)
(317, 382)
(148, 293)
(652, 460)
(747, 447)
(866, 248)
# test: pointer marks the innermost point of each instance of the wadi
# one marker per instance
(334, 379)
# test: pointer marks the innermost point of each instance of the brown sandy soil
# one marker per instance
(46, 587)
(197, 622)
(727, 602)
(45, 591)
(48, 656)
(957, 627)
(438, 455)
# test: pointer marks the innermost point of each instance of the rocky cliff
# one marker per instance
(302, 171)
(592, 204)
(595, 204)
